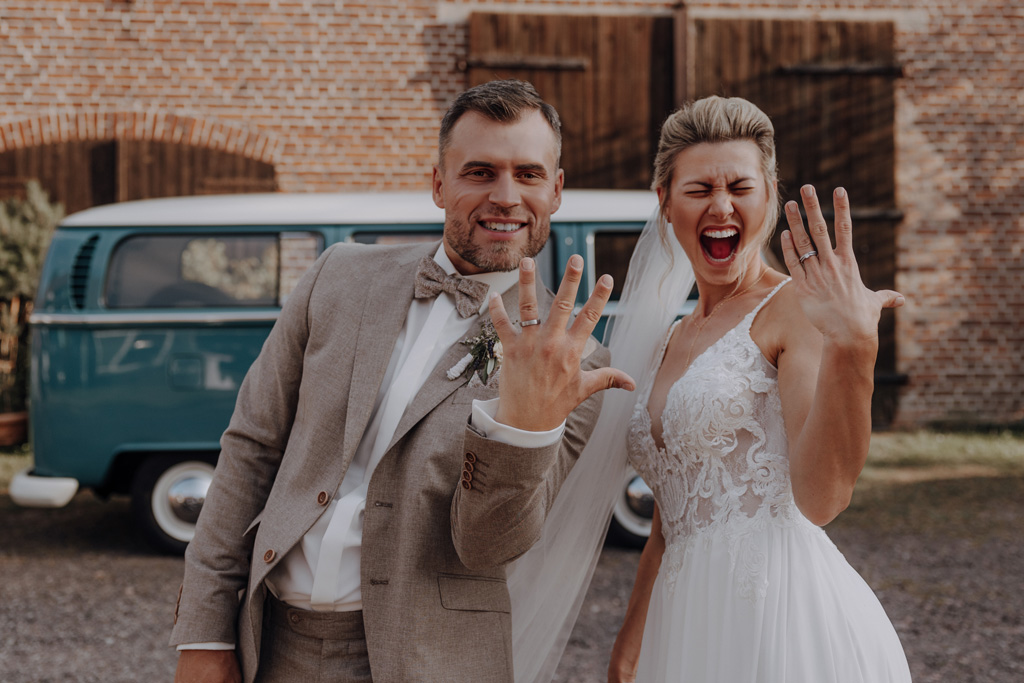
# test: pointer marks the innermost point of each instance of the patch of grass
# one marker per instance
(1002, 452)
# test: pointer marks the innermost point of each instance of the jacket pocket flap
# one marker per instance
(473, 593)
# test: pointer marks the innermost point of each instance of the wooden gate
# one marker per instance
(609, 77)
(87, 173)
(829, 88)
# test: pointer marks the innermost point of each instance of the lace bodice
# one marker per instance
(724, 467)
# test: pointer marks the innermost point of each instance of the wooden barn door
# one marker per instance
(829, 88)
(87, 173)
(609, 77)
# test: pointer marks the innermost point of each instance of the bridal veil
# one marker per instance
(549, 582)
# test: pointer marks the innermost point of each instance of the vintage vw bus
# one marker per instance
(149, 314)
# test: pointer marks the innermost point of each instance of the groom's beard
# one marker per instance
(496, 256)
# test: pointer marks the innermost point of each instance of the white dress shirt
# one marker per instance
(322, 572)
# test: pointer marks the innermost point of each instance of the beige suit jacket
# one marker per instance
(435, 602)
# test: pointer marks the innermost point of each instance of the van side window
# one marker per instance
(208, 271)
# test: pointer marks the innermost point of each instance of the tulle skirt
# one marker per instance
(783, 607)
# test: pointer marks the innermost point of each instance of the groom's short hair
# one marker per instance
(503, 101)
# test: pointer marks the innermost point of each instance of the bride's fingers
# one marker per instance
(801, 243)
(844, 222)
(817, 226)
(790, 255)
(890, 298)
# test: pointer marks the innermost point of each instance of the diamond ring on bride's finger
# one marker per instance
(808, 255)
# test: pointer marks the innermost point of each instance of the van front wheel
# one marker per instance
(633, 512)
(167, 495)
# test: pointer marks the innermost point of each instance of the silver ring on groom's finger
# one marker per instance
(807, 256)
(527, 323)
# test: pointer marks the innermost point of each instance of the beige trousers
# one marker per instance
(300, 646)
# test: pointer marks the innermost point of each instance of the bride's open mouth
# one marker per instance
(719, 244)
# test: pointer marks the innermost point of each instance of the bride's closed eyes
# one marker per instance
(740, 186)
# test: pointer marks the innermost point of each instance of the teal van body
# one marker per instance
(150, 313)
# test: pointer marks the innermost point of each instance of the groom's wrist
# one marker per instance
(485, 422)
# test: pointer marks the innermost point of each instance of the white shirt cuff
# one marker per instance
(483, 421)
(206, 646)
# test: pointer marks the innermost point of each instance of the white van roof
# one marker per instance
(339, 208)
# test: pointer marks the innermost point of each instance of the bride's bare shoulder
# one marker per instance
(782, 325)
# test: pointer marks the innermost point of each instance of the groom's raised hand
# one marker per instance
(541, 378)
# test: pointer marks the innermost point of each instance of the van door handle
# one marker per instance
(185, 372)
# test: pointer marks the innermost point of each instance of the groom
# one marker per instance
(365, 505)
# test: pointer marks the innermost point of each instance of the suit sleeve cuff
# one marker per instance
(206, 646)
(483, 423)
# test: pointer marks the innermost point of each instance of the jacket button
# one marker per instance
(322, 498)
(467, 476)
(269, 556)
(466, 485)
(470, 456)
(469, 466)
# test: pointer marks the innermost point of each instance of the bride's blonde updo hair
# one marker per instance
(718, 119)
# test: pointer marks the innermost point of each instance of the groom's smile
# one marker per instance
(502, 227)
(498, 183)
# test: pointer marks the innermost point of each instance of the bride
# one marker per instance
(752, 426)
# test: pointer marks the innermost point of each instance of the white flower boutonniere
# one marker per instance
(484, 357)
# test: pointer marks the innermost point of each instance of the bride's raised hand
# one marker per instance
(828, 283)
(541, 379)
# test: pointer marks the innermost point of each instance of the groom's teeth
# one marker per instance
(502, 227)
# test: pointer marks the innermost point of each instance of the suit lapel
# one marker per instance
(384, 314)
(438, 387)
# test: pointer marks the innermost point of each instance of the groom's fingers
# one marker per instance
(528, 309)
(590, 313)
(605, 378)
(565, 299)
(499, 318)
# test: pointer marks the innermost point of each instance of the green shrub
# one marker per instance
(26, 227)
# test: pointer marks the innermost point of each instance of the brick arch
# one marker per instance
(130, 125)
(86, 158)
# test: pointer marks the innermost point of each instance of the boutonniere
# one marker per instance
(484, 357)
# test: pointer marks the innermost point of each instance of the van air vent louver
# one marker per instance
(80, 271)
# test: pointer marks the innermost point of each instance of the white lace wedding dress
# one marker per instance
(749, 590)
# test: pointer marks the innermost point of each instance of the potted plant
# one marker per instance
(26, 227)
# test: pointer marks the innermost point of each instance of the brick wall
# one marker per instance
(348, 95)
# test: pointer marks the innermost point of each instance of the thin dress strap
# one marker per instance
(749, 320)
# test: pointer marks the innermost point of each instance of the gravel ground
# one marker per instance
(83, 599)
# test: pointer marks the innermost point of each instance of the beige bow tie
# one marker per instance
(431, 280)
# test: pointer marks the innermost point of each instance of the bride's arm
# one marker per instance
(626, 650)
(826, 365)
(826, 403)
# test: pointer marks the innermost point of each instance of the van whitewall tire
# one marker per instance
(151, 498)
(628, 528)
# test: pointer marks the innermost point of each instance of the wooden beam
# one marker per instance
(526, 62)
